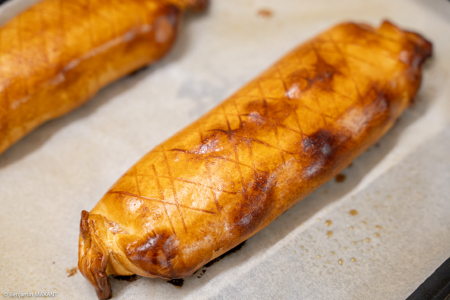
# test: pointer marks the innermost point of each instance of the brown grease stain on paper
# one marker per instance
(265, 13)
(353, 212)
(340, 178)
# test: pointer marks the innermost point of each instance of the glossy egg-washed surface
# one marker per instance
(236, 169)
(58, 54)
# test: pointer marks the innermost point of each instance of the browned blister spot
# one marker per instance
(154, 253)
(321, 153)
(320, 76)
(249, 214)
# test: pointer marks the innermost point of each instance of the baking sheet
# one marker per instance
(397, 234)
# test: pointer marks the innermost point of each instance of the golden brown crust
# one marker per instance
(194, 5)
(236, 169)
(58, 54)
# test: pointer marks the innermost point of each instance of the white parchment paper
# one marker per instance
(399, 190)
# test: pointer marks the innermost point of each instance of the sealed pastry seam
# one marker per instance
(240, 166)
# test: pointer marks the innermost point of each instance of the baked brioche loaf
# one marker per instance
(229, 174)
(58, 54)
